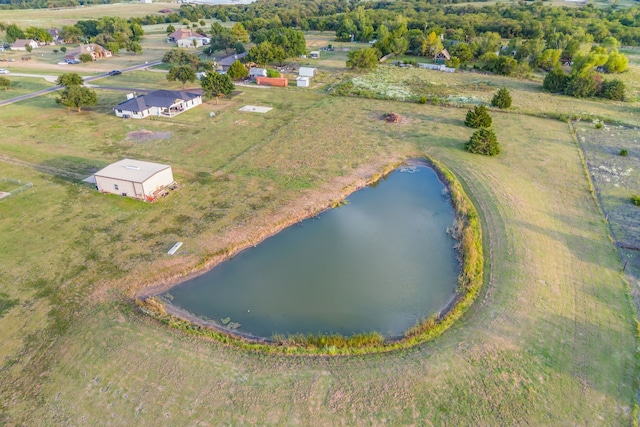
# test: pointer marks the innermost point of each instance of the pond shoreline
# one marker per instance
(466, 231)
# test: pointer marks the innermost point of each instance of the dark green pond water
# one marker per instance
(381, 263)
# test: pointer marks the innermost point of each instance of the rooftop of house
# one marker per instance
(226, 62)
(158, 98)
(131, 170)
(22, 42)
(183, 33)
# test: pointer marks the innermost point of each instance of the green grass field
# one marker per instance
(550, 341)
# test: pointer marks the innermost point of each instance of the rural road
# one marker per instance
(55, 88)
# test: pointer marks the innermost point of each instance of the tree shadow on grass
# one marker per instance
(580, 246)
(70, 168)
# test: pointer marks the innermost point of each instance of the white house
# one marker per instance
(167, 103)
(257, 72)
(187, 42)
(135, 178)
(302, 81)
(21, 44)
(307, 72)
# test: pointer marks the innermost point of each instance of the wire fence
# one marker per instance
(17, 188)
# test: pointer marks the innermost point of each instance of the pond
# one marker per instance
(382, 262)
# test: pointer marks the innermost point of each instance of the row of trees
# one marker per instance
(112, 33)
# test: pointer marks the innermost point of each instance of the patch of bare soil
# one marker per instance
(144, 135)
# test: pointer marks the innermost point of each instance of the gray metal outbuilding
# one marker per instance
(134, 178)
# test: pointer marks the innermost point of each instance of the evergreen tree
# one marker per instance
(5, 83)
(237, 71)
(556, 80)
(478, 117)
(584, 84)
(483, 141)
(614, 89)
(502, 99)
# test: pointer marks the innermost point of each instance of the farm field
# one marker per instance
(550, 341)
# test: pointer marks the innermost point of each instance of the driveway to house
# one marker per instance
(54, 78)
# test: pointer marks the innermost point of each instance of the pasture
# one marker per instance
(550, 341)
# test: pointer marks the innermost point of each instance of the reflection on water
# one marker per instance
(381, 263)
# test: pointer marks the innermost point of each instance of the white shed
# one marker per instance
(257, 72)
(302, 81)
(307, 72)
(134, 178)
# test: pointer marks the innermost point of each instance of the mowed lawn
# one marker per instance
(550, 341)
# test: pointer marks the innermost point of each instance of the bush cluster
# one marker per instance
(483, 141)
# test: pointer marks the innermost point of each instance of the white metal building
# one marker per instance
(134, 178)
(307, 72)
(302, 81)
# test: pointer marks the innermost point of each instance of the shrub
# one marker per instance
(273, 73)
(624, 153)
(237, 71)
(555, 81)
(483, 141)
(423, 99)
(502, 99)
(63, 49)
(636, 200)
(584, 84)
(598, 125)
(5, 83)
(613, 89)
(85, 57)
(55, 50)
(478, 117)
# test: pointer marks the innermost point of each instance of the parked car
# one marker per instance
(115, 72)
(4, 71)
(72, 61)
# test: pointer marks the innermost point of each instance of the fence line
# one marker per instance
(23, 187)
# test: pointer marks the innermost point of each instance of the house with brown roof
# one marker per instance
(442, 56)
(184, 33)
(95, 50)
(21, 44)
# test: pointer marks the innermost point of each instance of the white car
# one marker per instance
(4, 71)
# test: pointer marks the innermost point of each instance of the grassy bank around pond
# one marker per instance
(550, 339)
(466, 230)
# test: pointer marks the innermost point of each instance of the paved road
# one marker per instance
(55, 88)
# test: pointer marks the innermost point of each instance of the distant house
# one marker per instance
(55, 35)
(95, 50)
(187, 42)
(226, 62)
(135, 178)
(314, 54)
(146, 1)
(302, 81)
(442, 56)
(257, 72)
(21, 44)
(184, 33)
(307, 72)
(166, 103)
